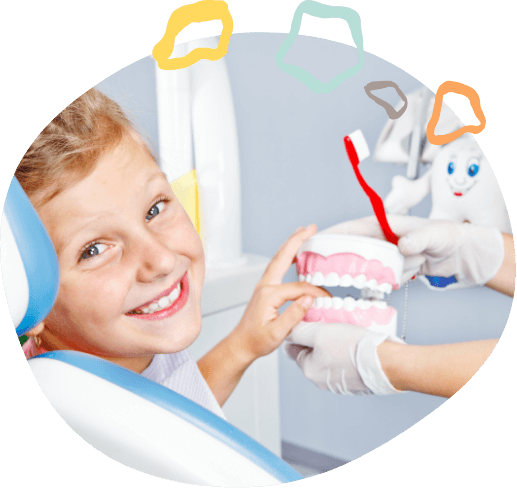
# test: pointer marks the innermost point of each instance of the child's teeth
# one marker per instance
(301, 278)
(337, 303)
(318, 303)
(308, 278)
(162, 303)
(327, 302)
(174, 294)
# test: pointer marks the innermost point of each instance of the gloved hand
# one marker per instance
(472, 254)
(341, 358)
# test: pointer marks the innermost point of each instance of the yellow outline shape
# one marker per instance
(202, 11)
(475, 103)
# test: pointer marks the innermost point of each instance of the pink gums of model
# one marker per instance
(345, 263)
(357, 316)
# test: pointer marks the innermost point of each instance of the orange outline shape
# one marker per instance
(202, 11)
(475, 103)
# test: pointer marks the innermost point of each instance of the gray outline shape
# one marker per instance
(377, 85)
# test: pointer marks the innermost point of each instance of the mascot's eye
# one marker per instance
(450, 168)
(473, 169)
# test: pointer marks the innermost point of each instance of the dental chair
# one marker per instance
(127, 417)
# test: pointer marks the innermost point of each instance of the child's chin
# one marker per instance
(178, 342)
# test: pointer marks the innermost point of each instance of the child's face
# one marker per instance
(124, 243)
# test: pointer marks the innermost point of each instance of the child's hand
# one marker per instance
(262, 329)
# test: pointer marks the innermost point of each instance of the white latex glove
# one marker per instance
(341, 358)
(472, 254)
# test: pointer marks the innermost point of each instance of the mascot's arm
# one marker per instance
(405, 193)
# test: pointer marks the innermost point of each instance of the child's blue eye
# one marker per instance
(93, 250)
(473, 169)
(450, 168)
(155, 210)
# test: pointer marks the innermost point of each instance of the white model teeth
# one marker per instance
(346, 281)
(333, 279)
(318, 279)
(348, 303)
(160, 304)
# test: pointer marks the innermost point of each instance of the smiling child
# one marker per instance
(132, 264)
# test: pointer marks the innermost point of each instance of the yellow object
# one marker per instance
(196, 12)
(186, 190)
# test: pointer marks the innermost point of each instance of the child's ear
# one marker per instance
(36, 331)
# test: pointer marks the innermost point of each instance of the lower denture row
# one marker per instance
(357, 316)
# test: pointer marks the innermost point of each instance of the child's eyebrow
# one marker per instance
(157, 175)
(63, 241)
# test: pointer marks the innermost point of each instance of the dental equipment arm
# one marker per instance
(439, 370)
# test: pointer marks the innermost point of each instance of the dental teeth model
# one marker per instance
(371, 265)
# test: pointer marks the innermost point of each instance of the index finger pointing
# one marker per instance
(285, 256)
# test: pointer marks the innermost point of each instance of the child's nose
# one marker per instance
(156, 260)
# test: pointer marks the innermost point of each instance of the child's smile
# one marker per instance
(165, 304)
(131, 263)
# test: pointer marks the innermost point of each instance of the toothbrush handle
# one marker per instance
(376, 201)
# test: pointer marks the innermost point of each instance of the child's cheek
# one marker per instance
(108, 294)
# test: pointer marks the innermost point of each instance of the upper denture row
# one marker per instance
(345, 269)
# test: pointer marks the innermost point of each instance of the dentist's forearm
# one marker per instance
(504, 280)
(439, 370)
(223, 367)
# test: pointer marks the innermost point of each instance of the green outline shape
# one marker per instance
(321, 11)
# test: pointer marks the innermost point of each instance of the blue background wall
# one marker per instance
(294, 171)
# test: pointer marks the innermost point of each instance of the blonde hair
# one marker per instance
(68, 148)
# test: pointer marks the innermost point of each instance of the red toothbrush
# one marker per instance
(376, 201)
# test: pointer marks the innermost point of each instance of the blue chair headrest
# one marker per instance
(30, 268)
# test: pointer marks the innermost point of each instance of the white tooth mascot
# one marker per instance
(463, 188)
